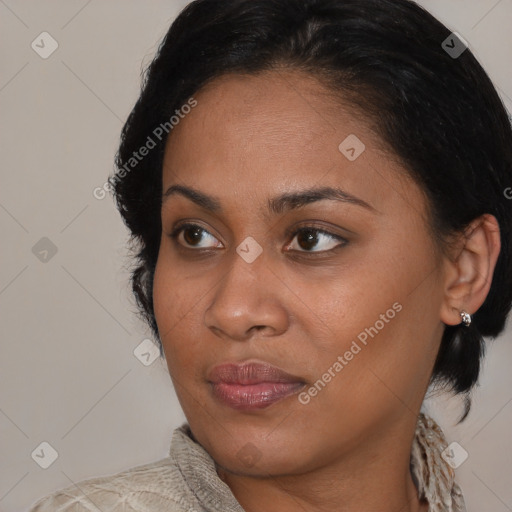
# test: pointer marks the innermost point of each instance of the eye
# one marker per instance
(308, 237)
(311, 236)
(192, 234)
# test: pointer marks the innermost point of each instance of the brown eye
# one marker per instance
(309, 237)
(193, 235)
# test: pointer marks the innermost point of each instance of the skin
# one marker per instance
(299, 305)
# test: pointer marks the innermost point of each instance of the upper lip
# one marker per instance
(250, 372)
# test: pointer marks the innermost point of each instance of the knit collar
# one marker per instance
(433, 476)
(198, 470)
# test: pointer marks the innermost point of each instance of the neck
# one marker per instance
(374, 477)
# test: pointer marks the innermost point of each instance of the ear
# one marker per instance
(470, 270)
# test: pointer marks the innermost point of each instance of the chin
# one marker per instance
(246, 462)
(254, 456)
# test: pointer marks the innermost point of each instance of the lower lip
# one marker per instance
(254, 396)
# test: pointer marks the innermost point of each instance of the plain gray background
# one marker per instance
(68, 372)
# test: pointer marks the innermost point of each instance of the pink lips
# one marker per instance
(252, 385)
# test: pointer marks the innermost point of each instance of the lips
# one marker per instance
(252, 385)
(250, 373)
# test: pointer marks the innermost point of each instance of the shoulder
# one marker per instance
(150, 487)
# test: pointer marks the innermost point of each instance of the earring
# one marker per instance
(466, 318)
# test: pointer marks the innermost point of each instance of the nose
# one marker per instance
(248, 299)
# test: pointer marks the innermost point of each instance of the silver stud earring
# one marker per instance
(466, 318)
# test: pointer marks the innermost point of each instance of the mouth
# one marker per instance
(252, 385)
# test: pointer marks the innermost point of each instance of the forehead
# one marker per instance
(269, 112)
(275, 132)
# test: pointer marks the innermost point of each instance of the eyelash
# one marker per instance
(290, 233)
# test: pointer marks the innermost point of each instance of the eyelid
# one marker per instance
(290, 234)
(294, 230)
(180, 226)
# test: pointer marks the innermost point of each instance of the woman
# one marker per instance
(316, 190)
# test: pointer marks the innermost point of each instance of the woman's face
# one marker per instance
(351, 307)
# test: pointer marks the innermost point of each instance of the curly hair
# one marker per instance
(437, 111)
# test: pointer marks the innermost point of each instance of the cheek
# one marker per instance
(173, 294)
(338, 305)
(177, 309)
(169, 298)
(163, 298)
(368, 312)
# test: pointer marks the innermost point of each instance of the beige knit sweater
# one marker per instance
(187, 481)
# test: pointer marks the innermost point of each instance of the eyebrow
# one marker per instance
(276, 205)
